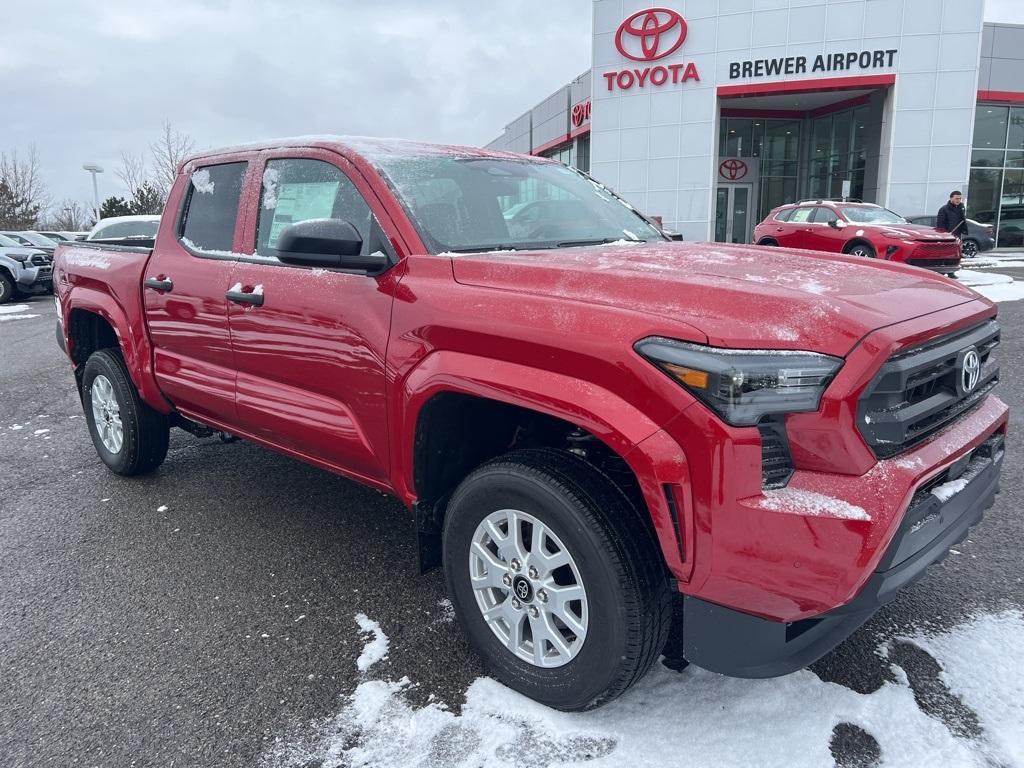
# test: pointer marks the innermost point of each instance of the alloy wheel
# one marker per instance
(106, 414)
(528, 588)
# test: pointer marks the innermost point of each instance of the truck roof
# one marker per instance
(370, 147)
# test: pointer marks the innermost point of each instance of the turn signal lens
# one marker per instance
(688, 376)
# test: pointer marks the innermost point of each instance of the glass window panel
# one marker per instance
(721, 214)
(782, 140)
(776, 192)
(757, 147)
(1011, 213)
(822, 137)
(1016, 138)
(990, 126)
(987, 158)
(739, 138)
(842, 129)
(1015, 159)
(983, 193)
(860, 123)
(740, 214)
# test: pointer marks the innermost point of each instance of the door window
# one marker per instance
(801, 216)
(825, 216)
(208, 221)
(300, 189)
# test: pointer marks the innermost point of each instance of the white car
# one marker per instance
(125, 228)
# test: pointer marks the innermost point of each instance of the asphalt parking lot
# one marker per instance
(192, 617)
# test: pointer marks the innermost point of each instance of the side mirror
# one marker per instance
(329, 243)
(837, 224)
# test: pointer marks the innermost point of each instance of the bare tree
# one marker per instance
(132, 172)
(22, 176)
(168, 153)
(70, 216)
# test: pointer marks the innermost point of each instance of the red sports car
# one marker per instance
(859, 229)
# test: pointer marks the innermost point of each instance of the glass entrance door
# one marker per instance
(733, 220)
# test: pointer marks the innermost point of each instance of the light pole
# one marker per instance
(94, 168)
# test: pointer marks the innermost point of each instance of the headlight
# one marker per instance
(22, 257)
(744, 385)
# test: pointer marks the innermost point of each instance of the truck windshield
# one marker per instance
(470, 204)
(865, 215)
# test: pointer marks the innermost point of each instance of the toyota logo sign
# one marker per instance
(733, 170)
(651, 34)
(580, 113)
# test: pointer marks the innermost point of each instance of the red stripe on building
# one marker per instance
(1014, 97)
(803, 86)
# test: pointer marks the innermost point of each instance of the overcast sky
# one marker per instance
(86, 80)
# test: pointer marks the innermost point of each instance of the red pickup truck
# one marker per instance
(583, 417)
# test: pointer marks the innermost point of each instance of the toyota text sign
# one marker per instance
(645, 37)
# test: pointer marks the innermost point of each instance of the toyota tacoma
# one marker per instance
(582, 417)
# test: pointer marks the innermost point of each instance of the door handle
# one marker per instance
(159, 283)
(238, 296)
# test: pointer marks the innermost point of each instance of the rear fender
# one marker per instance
(133, 341)
(658, 463)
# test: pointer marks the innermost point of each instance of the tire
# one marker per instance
(863, 250)
(769, 243)
(145, 433)
(628, 601)
(969, 248)
(7, 288)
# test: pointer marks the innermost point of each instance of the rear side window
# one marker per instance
(208, 223)
(801, 215)
(824, 216)
(300, 189)
(784, 215)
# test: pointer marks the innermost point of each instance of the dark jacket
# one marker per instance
(952, 218)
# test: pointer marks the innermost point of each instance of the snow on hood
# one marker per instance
(738, 296)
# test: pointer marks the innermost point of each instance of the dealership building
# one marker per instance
(709, 113)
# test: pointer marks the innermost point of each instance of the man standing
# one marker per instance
(952, 217)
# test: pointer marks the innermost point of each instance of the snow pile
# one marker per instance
(993, 286)
(377, 648)
(8, 318)
(795, 501)
(12, 309)
(202, 182)
(711, 720)
(271, 177)
(84, 258)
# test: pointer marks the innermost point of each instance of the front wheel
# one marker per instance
(555, 578)
(969, 248)
(130, 437)
(7, 289)
(862, 250)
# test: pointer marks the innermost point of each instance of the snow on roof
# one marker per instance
(370, 147)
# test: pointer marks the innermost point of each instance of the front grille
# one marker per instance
(933, 263)
(776, 463)
(936, 250)
(916, 393)
(40, 259)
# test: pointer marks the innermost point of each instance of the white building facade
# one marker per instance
(709, 113)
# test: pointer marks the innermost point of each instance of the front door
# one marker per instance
(310, 354)
(734, 221)
(183, 293)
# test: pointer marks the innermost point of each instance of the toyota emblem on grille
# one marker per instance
(970, 371)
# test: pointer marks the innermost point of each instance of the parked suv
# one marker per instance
(23, 269)
(859, 229)
(979, 238)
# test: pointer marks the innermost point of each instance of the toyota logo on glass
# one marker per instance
(648, 36)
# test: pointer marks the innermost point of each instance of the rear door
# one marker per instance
(794, 229)
(183, 289)
(310, 356)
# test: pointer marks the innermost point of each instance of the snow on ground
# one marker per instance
(374, 650)
(992, 285)
(693, 718)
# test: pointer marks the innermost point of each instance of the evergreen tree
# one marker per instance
(146, 200)
(115, 206)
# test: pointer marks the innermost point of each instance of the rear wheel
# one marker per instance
(555, 578)
(969, 248)
(130, 437)
(7, 290)
(863, 250)
(767, 241)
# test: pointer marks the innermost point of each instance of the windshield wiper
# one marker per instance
(602, 241)
(484, 248)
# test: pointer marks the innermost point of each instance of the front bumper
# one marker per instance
(33, 277)
(939, 515)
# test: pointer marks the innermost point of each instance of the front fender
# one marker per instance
(658, 463)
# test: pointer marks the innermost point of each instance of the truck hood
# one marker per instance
(737, 296)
